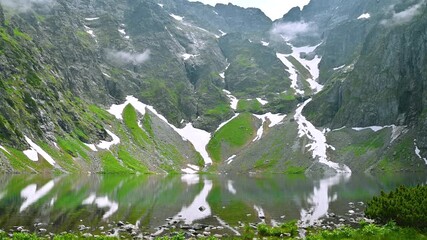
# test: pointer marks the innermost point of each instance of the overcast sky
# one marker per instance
(272, 8)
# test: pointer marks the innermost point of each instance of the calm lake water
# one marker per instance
(65, 202)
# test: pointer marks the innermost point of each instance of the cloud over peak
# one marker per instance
(123, 57)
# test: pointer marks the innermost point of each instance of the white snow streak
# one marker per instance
(373, 128)
(4, 149)
(233, 100)
(192, 169)
(364, 16)
(199, 138)
(31, 154)
(230, 159)
(161, 5)
(263, 102)
(176, 17)
(39, 150)
(292, 71)
(340, 67)
(91, 146)
(222, 33)
(187, 56)
(229, 120)
(106, 145)
(318, 140)
(222, 75)
(92, 19)
(418, 152)
(265, 43)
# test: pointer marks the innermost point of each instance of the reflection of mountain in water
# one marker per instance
(218, 200)
(320, 198)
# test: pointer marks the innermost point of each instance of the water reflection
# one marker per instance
(321, 198)
(66, 202)
(199, 208)
(32, 195)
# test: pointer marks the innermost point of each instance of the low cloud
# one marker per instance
(122, 57)
(403, 17)
(292, 30)
(25, 5)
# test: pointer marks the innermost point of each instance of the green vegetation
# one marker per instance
(130, 162)
(110, 164)
(289, 229)
(407, 206)
(130, 118)
(368, 232)
(249, 105)
(235, 134)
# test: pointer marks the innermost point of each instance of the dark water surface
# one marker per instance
(63, 203)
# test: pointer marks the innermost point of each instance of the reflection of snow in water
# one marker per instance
(102, 202)
(230, 187)
(199, 208)
(190, 179)
(32, 195)
(320, 199)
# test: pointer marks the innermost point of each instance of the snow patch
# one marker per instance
(229, 120)
(191, 169)
(311, 65)
(230, 159)
(263, 102)
(32, 195)
(318, 140)
(39, 150)
(265, 43)
(418, 152)
(187, 56)
(106, 145)
(274, 120)
(222, 75)
(222, 33)
(31, 154)
(364, 16)
(161, 5)
(91, 146)
(373, 128)
(340, 67)
(108, 76)
(92, 19)
(176, 17)
(90, 32)
(4, 149)
(199, 138)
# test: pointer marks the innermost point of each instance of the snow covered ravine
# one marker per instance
(318, 143)
(318, 140)
(199, 138)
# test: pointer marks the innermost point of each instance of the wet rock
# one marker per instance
(198, 226)
(350, 211)
(81, 227)
(206, 233)
(185, 227)
(42, 230)
(341, 220)
(120, 223)
(20, 229)
(217, 236)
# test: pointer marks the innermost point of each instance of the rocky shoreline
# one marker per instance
(173, 227)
